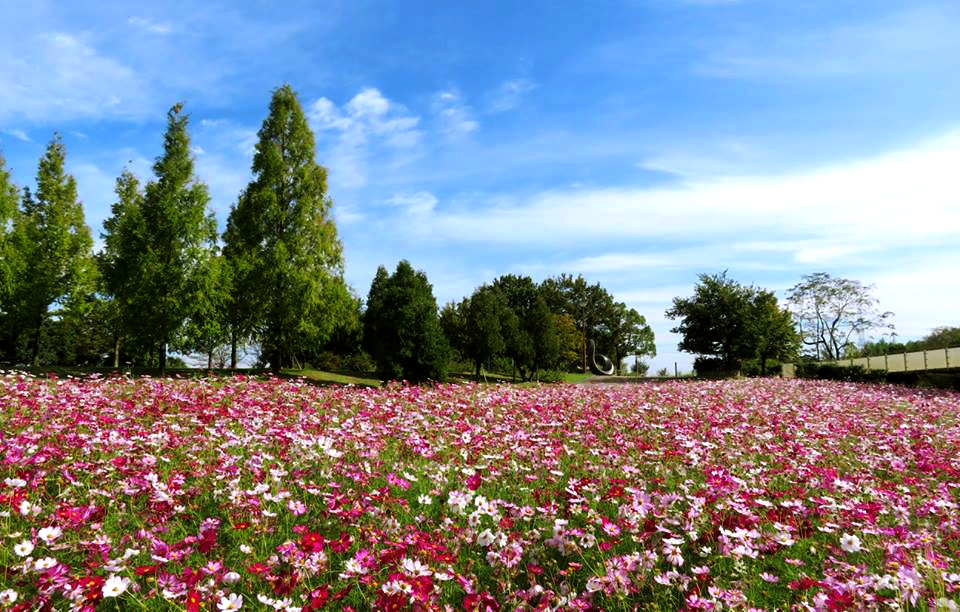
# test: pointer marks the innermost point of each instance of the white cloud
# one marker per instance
(509, 95)
(921, 292)
(420, 203)
(455, 117)
(149, 25)
(18, 134)
(704, 159)
(63, 76)
(367, 124)
(618, 262)
(909, 42)
(903, 198)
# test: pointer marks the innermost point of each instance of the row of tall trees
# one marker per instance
(161, 281)
(532, 327)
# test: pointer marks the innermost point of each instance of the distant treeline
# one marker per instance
(939, 338)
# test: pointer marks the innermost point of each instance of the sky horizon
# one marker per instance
(639, 143)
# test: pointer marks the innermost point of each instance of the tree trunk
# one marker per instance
(116, 351)
(233, 349)
(275, 364)
(210, 360)
(477, 362)
(163, 359)
(35, 350)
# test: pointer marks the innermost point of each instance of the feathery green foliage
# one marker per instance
(157, 244)
(9, 201)
(51, 263)
(281, 242)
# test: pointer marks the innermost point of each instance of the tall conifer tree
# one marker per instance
(119, 261)
(9, 202)
(53, 264)
(281, 241)
(177, 233)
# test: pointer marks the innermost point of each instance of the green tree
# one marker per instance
(541, 327)
(568, 340)
(940, 338)
(834, 312)
(401, 326)
(453, 325)
(9, 202)
(54, 264)
(729, 322)
(629, 334)
(174, 234)
(773, 329)
(282, 243)
(120, 261)
(205, 330)
(486, 311)
(590, 306)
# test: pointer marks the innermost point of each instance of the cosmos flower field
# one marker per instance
(262, 494)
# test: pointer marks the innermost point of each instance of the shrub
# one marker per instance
(550, 376)
(831, 371)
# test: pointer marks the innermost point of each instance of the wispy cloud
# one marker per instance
(910, 42)
(18, 134)
(509, 95)
(61, 75)
(704, 159)
(149, 25)
(903, 198)
(366, 124)
(455, 116)
(420, 203)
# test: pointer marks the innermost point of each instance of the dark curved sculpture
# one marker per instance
(607, 368)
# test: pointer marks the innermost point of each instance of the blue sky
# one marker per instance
(637, 142)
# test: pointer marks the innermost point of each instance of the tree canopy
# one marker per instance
(281, 242)
(729, 323)
(50, 259)
(834, 313)
(401, 326)
(157, 244)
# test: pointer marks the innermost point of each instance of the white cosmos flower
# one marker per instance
(850, 543)
(230, 601)
(115, 585)
(45, 563)
(49, 534)
(8, 597)
(23, 548)
(231, 577)
(413, 567)
(485, 538)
